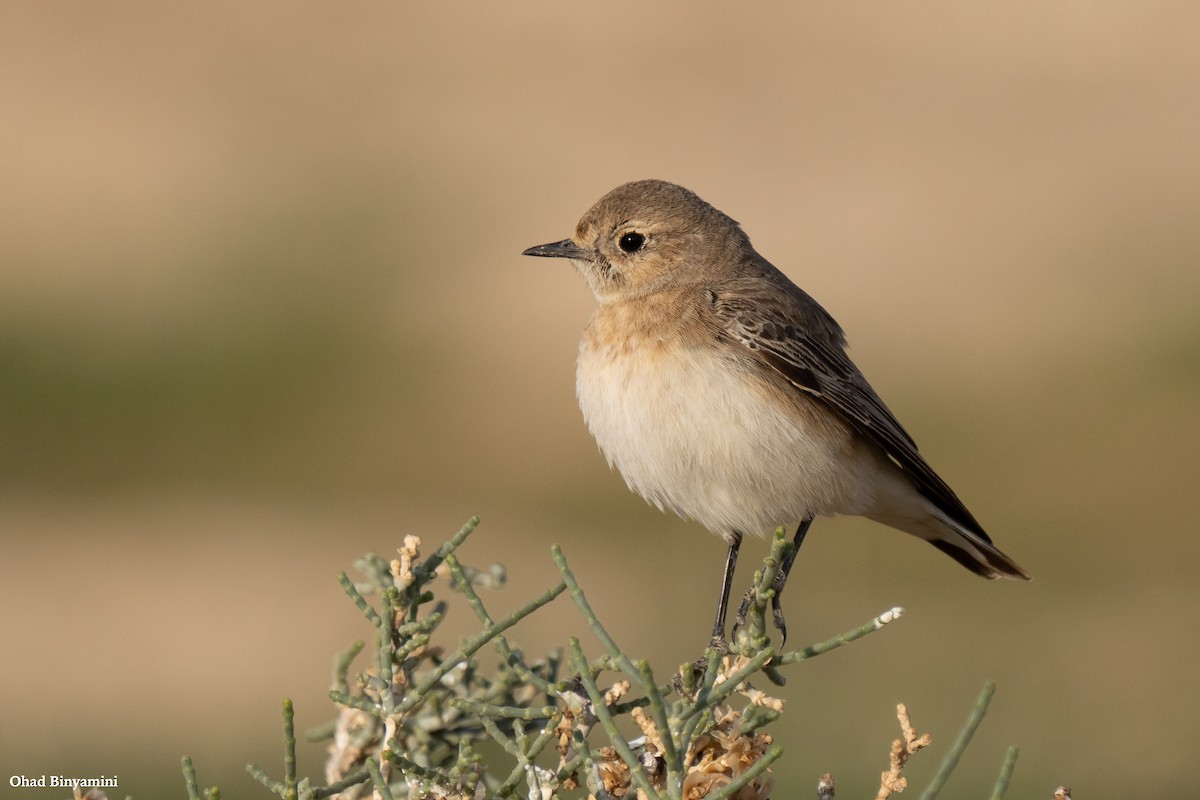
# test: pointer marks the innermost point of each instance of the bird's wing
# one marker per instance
(798, 339)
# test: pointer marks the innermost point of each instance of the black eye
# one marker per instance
(631, 242)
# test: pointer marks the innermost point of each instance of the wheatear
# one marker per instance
(723, 392)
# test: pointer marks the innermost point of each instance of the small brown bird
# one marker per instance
(722, 391)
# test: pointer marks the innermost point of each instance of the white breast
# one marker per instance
(690, 431)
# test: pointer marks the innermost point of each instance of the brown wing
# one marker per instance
(797, 338)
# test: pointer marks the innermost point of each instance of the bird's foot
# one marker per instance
(777, 619)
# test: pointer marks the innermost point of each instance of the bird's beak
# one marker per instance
(564, 249)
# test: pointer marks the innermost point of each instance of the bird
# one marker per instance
(722, 391)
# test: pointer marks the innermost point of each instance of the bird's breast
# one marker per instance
(696, 424)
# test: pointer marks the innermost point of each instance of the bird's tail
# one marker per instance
(973, 549)
(975, 552)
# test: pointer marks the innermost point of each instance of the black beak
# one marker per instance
(564, 249)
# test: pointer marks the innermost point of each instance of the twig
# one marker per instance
(640, 672)
(381, 785)
(289, 751)
(636, 773)
(891, 615)
(960, 744)
(476, 602)
(426, 570)
(892, 782)
(1006, 771)
(472, 645)
(189, 778)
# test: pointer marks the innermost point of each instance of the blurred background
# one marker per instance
(262, 309)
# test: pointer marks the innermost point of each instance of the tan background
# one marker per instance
(262, 309)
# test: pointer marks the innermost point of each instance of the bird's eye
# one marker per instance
(631, 242)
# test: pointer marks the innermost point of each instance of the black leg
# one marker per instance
(781, 579)
(735, 542)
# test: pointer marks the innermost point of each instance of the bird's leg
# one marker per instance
(718, 633)
(781, 579)
(718, 640)
(777, 584)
